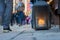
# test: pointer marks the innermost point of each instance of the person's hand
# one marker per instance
(14, 11)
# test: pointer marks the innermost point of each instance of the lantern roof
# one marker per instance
(40, 3)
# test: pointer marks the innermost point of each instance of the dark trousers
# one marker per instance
(5, 13)
(20, 17)
(13, 18)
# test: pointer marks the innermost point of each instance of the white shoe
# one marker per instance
(5, 31)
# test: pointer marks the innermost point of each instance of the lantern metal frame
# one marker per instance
(33, 21)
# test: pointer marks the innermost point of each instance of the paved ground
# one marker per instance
(27, 33)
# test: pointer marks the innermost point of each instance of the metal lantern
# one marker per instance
(41, 15)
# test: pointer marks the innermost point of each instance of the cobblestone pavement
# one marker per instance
(25, 32)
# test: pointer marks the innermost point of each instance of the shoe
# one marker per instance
(10, 30)
(5, 31)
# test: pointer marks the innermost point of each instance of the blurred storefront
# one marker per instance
(28, 10)
(27, 6)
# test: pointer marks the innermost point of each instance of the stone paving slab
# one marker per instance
(39, 36)
(7, 36)
(48, 36)
(16, 30)
(51, 34)
(10, 35)
(30, 34)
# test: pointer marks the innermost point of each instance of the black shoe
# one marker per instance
(10, 30)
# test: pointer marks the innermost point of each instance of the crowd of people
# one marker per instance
(19, 17)
(7, 17)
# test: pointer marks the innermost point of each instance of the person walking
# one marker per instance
(20, 14)
(5, 14)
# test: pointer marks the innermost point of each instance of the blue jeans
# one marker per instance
(20, 17)
(5, 13)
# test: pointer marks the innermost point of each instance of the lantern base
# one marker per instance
(42, 28)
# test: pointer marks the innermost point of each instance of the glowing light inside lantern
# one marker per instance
(41, 22)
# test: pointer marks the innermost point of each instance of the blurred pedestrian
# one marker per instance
(5, 14)
(56, 7)
(27, 19)
(13, 18)
(20, 14)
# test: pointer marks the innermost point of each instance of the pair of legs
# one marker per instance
(5, 20)
(18, 20)
(5, 13)
(13, 19)
(20, 17)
